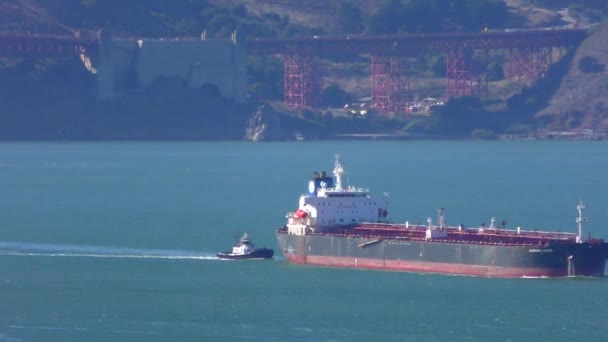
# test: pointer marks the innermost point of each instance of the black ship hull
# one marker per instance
(258, 253)
(554, 259)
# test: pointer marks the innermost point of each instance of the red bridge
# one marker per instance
(530, 53)
(29, 31)
(42, 45)
(415, 44)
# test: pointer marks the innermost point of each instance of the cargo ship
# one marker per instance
(346, 226)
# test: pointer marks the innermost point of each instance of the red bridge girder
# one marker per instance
(528, 63)
(23, 45)
(414, 44)
(459, 72)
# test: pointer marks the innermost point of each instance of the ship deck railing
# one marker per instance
(479, 231)
(489, 236)
(347, 189)
(520, 242)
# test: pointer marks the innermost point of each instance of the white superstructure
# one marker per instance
(327, 205)
(244, 246)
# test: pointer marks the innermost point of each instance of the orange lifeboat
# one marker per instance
(301, 213)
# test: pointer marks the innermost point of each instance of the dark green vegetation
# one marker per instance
(159, 18)
(156, 18)
(56, 99)
(590, 64)
(437, 16)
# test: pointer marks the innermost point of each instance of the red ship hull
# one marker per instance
(429, 267)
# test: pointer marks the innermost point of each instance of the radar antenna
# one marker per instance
(580, 219)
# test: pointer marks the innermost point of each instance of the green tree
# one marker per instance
(222, 24)
(334, 96)
(239, 10)
(590, 64)
(423, 16)
(437, 65)
(348, 18)
(495, 71)
(460, 116)
(387, 19)
(479, 14)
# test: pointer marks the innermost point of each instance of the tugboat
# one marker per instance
(245, 249)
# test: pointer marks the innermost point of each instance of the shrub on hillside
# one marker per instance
(495, 71)
(334, 96)
(349, 18)
(590, 64)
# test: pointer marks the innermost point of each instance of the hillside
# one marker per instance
(571, 96)
(581, 101)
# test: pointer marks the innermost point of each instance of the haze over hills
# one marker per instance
(570, 97)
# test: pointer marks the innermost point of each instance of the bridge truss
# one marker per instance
(390, 85)
(459, 74)
(27, 30)
(530, 54)
(529, 63)
(301, 87)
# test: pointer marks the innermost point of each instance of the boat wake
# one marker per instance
(87, 251)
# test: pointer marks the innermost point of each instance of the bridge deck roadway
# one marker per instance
(413, 44)
(16, 44)
(41, 45)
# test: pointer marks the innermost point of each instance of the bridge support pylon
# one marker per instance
(529, 64)
(390, 85)
(459, 74)
(301, 85)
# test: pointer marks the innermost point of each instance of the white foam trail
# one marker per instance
(86, 251)
(33, 327)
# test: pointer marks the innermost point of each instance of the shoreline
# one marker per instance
(561, 136)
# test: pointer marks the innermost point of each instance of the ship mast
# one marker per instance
(580, 219)
(441, 218)
(338, 172)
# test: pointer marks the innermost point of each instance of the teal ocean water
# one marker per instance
(116, 242)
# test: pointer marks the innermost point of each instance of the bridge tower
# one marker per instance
(301, 85)
(459, 74)
(390, 85)
(529, 63)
